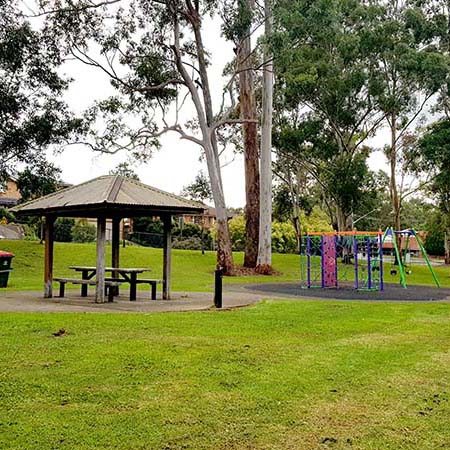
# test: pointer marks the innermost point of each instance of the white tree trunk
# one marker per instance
(209, 144)
(265, 216)
(224, 253)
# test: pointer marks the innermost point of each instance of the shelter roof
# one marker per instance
(109, 195)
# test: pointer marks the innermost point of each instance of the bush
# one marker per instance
(83, 231)
(6, 216)
(284, 237)
(434, 241)
(63, 229)
(147, 225)
(191, 243)
(29, 233)
(237, 233)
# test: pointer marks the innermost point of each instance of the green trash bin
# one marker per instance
(5, 267)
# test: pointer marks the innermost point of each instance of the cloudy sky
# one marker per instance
(177, 163)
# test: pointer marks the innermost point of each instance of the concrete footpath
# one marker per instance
(33, 301)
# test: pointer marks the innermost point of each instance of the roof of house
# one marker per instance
(108, 195)
(6, 201)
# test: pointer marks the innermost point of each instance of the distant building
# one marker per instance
(414, 249)
(207, 220)
(9, 194)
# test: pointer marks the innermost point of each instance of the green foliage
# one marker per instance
(6, 215)
(284, 237)
(124, 169)
(33, 114)
(63, 229)
(83, 231)
(237, 233)
(30, 232)
(199, 189)
(433, 154)
(40, 179)
(316, 221)
(147, 225)
(237, 17)
(187, 230)
(190, 243)
(435, 239)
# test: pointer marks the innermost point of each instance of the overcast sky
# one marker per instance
(177, 163)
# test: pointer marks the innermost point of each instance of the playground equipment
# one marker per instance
(327, 259)
(403, 255)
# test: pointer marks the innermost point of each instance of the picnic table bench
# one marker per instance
(109, 285)
(118, 275)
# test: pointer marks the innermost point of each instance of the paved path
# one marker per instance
(234, 296)
(32, 301)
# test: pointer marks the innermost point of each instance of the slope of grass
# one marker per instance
(192, 271)
(281, 375)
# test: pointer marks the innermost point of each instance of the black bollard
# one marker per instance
(218, 274)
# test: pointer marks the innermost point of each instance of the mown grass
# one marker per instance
(192, 271)
(281, 375)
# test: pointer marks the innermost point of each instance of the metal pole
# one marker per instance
(355, 252)
(218, 274)
(322, 262)
(335, 261)
(308, 257)
(380, 250)
(422, 249)
(369, 266)
(400, 265)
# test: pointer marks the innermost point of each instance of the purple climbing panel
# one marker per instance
(329, 261)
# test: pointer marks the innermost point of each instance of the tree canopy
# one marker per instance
(32, 112)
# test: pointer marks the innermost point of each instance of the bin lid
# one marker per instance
(6, 254)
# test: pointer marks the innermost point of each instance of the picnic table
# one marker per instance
(120, 274)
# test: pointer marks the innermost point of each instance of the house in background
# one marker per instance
(9, 194)
(208, 219)
(413, 245)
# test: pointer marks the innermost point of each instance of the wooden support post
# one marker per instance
(167, 255)
(115, 244)
(48, 256)
(100, 272)
(115, 252)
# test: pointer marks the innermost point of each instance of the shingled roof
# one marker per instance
(109, 195)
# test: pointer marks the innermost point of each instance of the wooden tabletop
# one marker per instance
(113, 269)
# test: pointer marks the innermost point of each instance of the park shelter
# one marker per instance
(108, 197)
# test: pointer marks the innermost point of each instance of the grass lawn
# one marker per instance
(192, 271)
(281, 375)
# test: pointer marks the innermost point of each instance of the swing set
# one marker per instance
(402, 255)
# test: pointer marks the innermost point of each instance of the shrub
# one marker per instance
(29, 233)
(191, 243)
(284, 238)
(6, 216)
(237, 233)
(63, 229)
(147, 225)
(434, 241)
(83, 231)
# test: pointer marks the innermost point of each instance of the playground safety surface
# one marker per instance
(392, 292)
